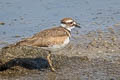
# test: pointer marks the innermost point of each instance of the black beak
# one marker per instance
(77, 25)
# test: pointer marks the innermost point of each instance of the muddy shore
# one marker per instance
(95, 56)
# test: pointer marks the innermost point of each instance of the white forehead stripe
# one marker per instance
(74, 22)
(69, 21)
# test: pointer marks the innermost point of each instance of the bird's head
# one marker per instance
(69, 23)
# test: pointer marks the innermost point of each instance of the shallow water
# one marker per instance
(25, 18)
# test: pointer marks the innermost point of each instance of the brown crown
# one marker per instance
(64, 20)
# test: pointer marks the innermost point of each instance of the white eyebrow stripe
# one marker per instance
(69, 21)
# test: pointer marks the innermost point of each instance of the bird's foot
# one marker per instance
(50, 63)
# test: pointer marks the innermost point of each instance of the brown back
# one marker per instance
(46, 37)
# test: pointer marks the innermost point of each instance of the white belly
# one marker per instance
(62, 45)
(56, 47)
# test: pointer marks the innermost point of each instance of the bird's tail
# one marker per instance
(11, 45)
(14, 45)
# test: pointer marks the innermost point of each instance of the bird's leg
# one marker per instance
(50, 63)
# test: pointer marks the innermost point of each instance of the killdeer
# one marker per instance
(52, 39)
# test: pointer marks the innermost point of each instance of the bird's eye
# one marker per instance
(71, 22)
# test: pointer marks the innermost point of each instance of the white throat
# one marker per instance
(68, 28)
